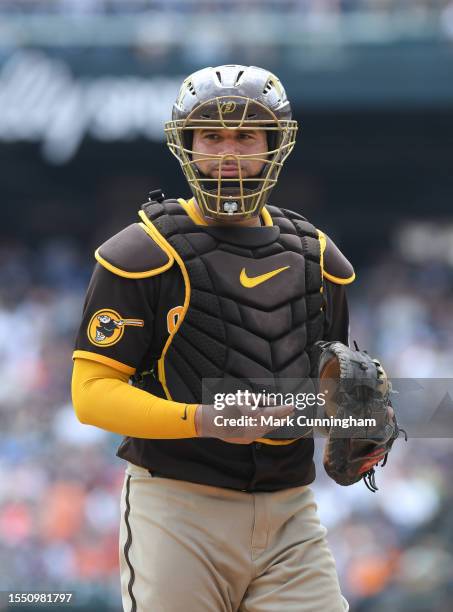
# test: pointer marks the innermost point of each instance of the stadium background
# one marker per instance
(85, 86)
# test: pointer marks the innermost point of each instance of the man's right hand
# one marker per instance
(223, 424)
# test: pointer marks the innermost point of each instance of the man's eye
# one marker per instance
(245, 136)
(212, 136)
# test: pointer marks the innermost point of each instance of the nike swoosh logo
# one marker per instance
(184, 418)
(249, 282)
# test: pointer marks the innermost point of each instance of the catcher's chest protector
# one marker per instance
(253, 300)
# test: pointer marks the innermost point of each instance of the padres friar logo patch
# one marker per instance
(107, 327)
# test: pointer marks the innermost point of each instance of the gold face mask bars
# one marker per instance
(223, 196)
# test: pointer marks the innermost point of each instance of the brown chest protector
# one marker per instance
(253, 305)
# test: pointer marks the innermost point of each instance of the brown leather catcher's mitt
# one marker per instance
(358, 389)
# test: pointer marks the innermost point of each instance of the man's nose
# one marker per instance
(230, 149)
(229, 157)
(230, 146)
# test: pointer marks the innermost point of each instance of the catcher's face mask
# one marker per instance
(230, 184)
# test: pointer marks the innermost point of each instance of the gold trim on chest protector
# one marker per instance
(146, 273)
(331, 277)
(171, 252)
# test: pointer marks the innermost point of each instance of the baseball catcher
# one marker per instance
(358, 389)
(217, 513)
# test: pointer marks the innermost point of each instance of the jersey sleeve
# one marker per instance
(103, 398)
(117, 322)
(337, 313)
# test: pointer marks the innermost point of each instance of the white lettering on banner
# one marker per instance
(42, 101)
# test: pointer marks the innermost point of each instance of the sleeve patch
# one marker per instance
(107, 327)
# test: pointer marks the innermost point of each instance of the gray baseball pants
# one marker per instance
(198, 548)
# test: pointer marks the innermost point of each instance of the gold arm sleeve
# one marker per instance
(102, 397)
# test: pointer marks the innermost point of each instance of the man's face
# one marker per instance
(229, 142)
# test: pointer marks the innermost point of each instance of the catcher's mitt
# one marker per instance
(358, 389)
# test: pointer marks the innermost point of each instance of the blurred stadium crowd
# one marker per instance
(60, 481)
(132, 6)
